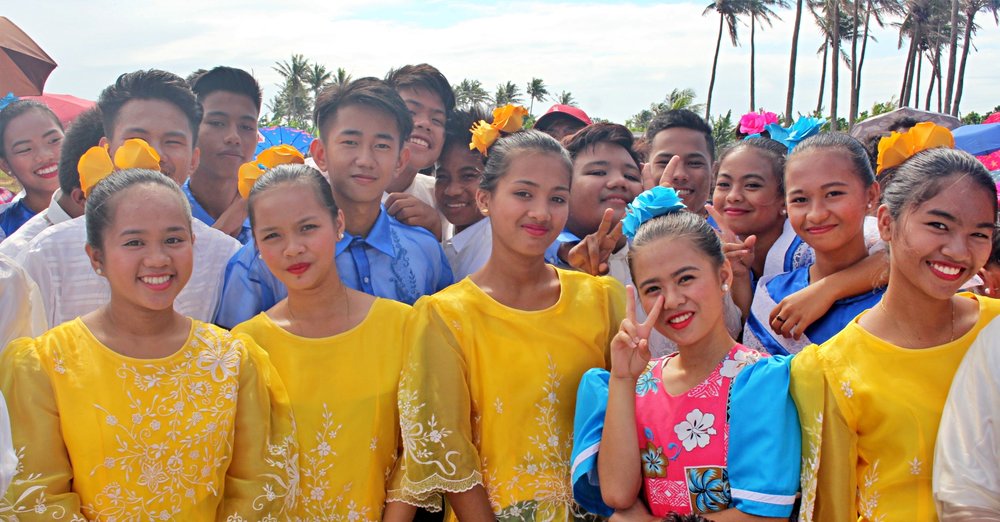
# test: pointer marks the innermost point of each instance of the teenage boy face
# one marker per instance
(429, 116)
(360, 150)
(227, 136)
(165, 128)
(693, 178)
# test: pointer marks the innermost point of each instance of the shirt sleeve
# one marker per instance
(248, 288)
(42, 486)
(588, 426)
(435, 414)
(22, 312)
(829, 445)
(33, 261)
(446, 277)
(262, 473)
(765, 441)
(967, 456)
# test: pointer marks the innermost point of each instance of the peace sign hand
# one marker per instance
(591, 254)
(739, 252)
(630, 346)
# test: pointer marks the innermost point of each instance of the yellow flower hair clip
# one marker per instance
(268, 159)
(507, 119)
(896, 148)
(96, 163)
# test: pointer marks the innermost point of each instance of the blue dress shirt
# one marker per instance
(394, 261)
(199, 213)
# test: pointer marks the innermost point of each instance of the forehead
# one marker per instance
(231, 103)
(152, 116)
(961, 197)
(421, 97)
(678, 141)
(746, 160)
(29, 125)
(818, 166)
(667, 254)
(604, 151)
(146, 199)
(361, 118)
(458, 157)
(545, 169)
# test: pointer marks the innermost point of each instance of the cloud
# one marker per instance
(616, 58)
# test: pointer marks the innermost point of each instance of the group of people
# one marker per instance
(438, 310)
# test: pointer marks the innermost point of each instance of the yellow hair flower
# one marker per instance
(896, 148)
(509, 118)
(94, 165)
(267, 159)
(137, 154)
(483, 135)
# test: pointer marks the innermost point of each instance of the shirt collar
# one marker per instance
(467, 236)
(197, 211)
(379, 237)
(55, 213)
(567, 237)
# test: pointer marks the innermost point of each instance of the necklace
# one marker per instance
(895, 321)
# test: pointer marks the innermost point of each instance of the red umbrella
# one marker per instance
(66, 106)
(24, 66)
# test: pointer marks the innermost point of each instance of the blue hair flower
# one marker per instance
(654, 202)
(804, 127)
(7, 100)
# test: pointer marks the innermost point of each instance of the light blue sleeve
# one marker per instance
(765, 441)
(447, 277)
(588, 424)
(249, 288)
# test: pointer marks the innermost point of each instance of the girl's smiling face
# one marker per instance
(32, 142)
(748, 193)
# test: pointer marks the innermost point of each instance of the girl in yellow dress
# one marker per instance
(488, 393)
(133, 411)
(870, 398)
(339, 352)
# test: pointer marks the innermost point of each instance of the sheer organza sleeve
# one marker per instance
(42, 486)
(262, 477)
(435, 414)
(829, 445)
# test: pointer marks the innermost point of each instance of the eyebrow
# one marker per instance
(47, 134)
(134, 231)
(946, 215)
(225, 114)
(419, 105)
(823, 186)
(697, 155)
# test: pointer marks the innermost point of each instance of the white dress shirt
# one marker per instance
(21, 311)
(53, 215)
(468, 250)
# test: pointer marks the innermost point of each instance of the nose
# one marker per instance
(735, 194)
(156, 257)
(616, 180)
(365, 158)
(957, 247)
(293, 247)
(232, 135)
(673, 297)
(681, 174)
(452, 189)
(817, 212)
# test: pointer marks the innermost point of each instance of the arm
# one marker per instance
(407, 209)
(804, 307)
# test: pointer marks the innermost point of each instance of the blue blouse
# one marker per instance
(13, 216)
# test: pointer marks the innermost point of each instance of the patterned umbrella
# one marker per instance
(880, 124)
(268, 137)
(24, 66)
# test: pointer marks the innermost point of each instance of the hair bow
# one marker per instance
(267, 159)
(803, 128)
(96, 163)
(755, 122)
(7, 100)
(507, 119)
(897, 147)
(654, 202)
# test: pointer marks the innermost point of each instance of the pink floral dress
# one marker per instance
(684, 439)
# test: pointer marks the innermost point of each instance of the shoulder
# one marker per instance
(390, 308)
(417, 235)
(585, 282)
(74, 230)
(253, 326)
(71, 335)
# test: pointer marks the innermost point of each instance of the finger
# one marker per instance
(616, 232)
(629, 302)
(394, 197)
(727, 234)
(668, 172)
(643, 349)
(654, 314)
(606, 222)
(594, 253)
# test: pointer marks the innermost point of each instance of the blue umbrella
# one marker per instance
(271, 136)
(978, 139)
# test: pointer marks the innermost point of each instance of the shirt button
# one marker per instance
(366, 280)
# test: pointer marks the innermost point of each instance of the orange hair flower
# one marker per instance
(96, 163)
(267, 159)
(483, 135)
(509, 118)
(896, 148)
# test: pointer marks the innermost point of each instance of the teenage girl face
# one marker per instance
(455, 184)
(747, 193)
(826, 199)
(604, 176)
(690, 283)
(148, 250)
(940, 244)
(530, 203)
(31, 145)
(296, 235)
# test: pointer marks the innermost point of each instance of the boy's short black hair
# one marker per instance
(227, 79)
(85, 132)
(593, 134)
(684, 119)
(370, 92)
(458, 130)
(423, 76)
(151, 84)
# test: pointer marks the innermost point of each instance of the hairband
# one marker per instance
(897, 147)
(506, 119)
(652, 203)
(96, 163)
(7, 100)
(803, 128)
(267, 159)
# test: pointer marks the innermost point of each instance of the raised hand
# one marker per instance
(739, 252)
(409, 210)
(591, 254)
(630, 346)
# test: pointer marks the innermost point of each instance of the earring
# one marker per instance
(99, 271)
(869, 206)
(725, 287)
(783, 212)
(340, 236)
(485, 211)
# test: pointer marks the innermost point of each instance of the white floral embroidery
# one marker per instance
(696, 430)
(868, 496)
(498, 405)
(915, 466)
(846, 387)
(810, 468)
(220, 359)
(732, 367)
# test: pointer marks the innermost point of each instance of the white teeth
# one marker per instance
(457, 205)
(681, 318)
(683, 192)
(419, 141)
(948, 270)
(47, 170)
(155, 280)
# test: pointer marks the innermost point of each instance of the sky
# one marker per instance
(614, 57)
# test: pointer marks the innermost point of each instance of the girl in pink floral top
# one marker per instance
(666, 430)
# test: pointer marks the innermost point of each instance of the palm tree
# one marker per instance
(835, 28)
(952, 52)
(680, 99)
(341, 78)
(878, 9)
(317, 77)
(793, 55)
(536, 91)
(729, 12)
(295, 97)
(507, 93)
(470, 93)
(833, 13)
(759, 10)
(566, 98)
(971, 8)
(916, 17)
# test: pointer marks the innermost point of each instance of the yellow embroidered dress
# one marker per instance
(199, 435)
(343, 392)
(870, 412)
(488, 394)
